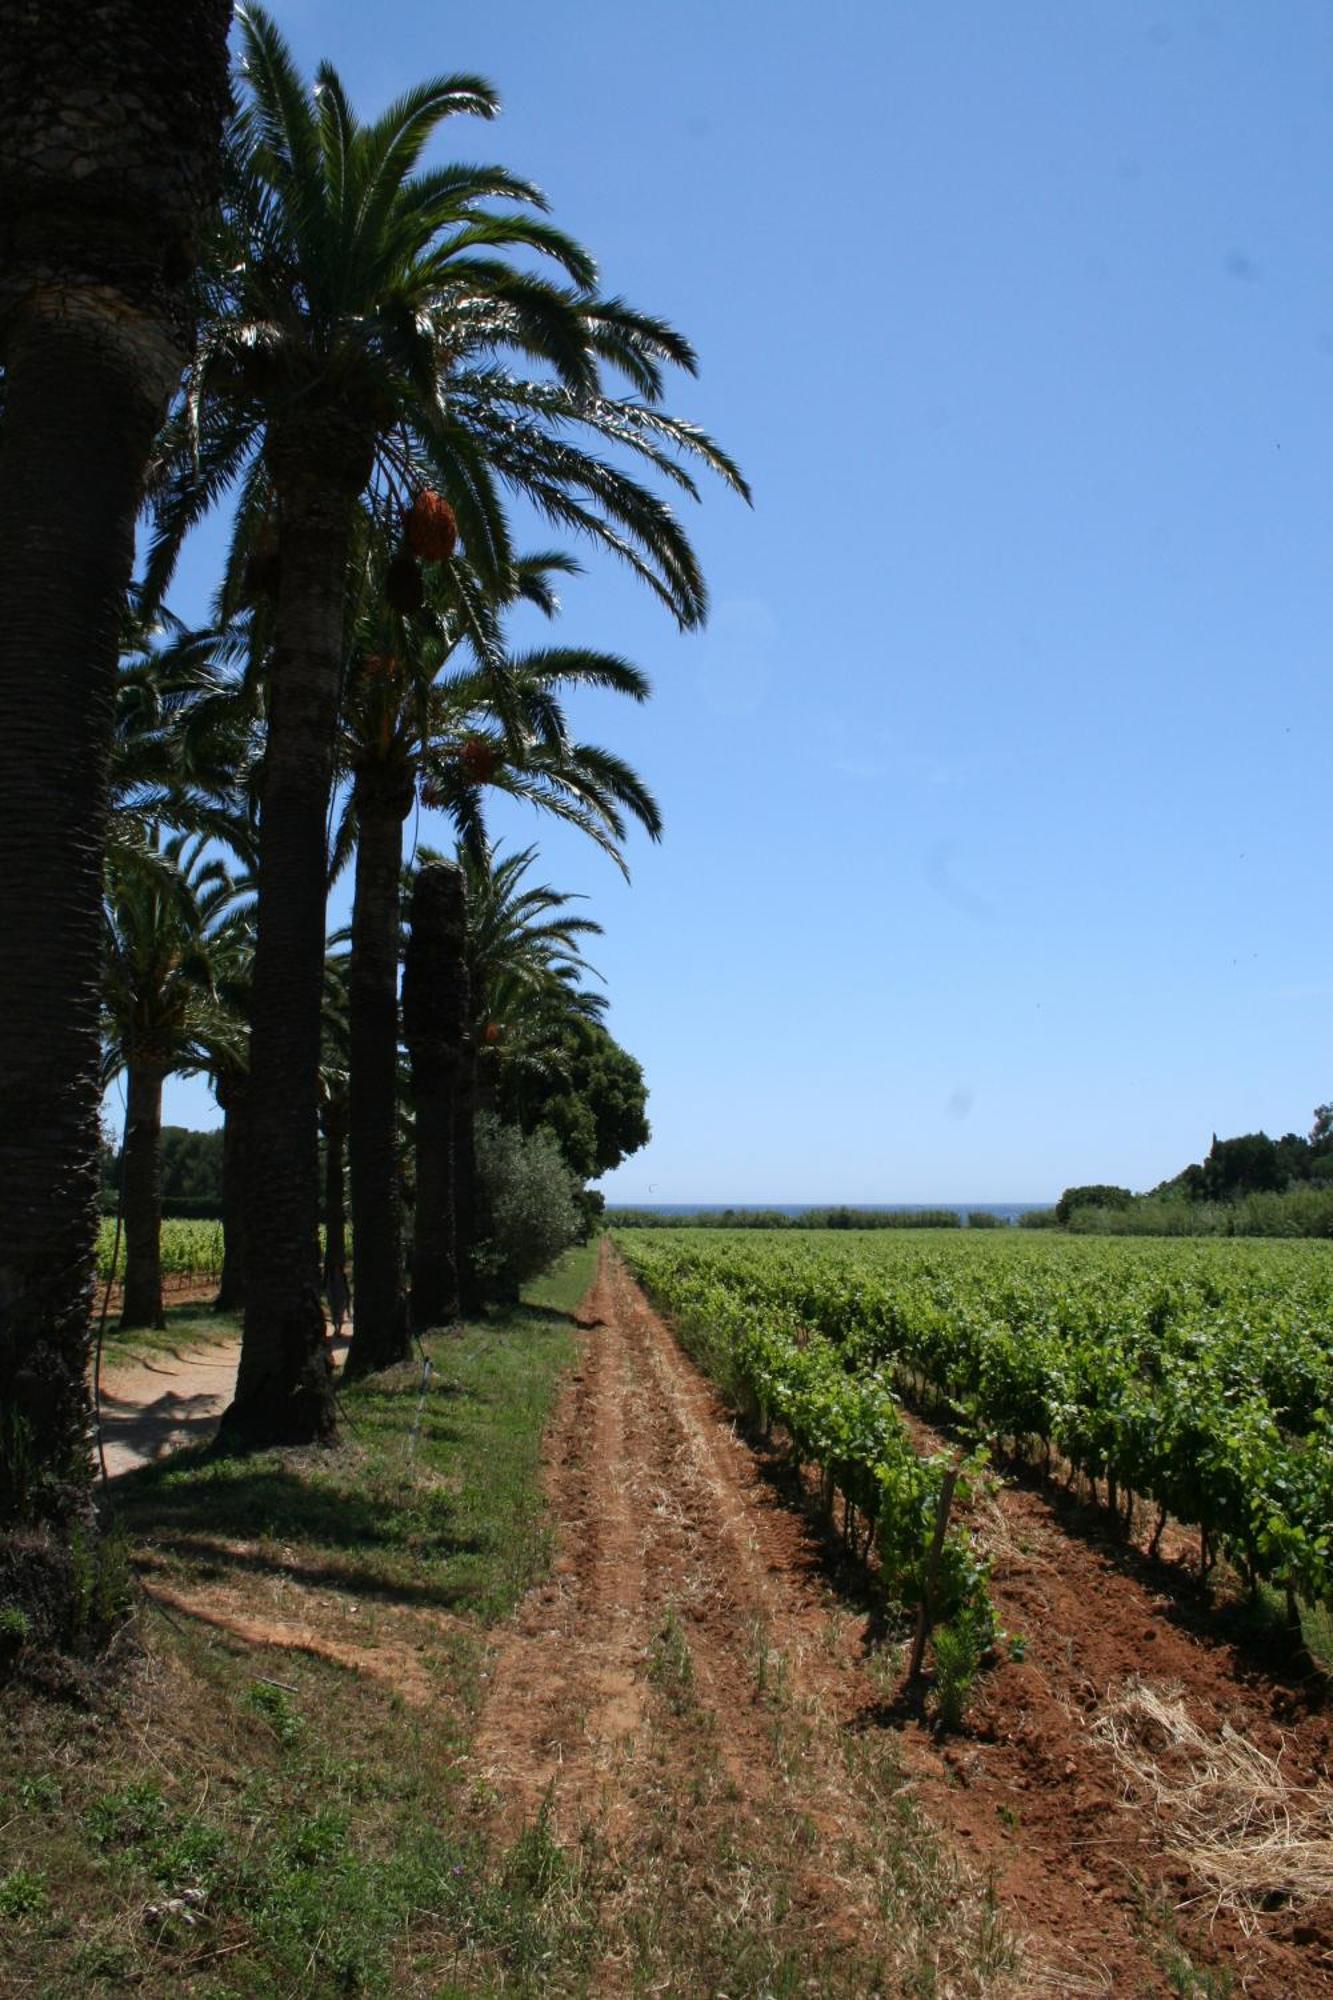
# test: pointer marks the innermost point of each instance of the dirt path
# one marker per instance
(682, 1697)
(689, 1648)
(157, 1403)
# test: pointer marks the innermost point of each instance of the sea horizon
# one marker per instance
(806, 1207)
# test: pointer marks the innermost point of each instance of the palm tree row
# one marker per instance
(373, 336)
(355, 364)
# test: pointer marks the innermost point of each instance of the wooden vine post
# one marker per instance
(924, 1618)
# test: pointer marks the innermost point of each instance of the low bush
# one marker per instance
(530, 1201)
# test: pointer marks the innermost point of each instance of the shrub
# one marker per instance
(1097, 1196)
(529, 1199)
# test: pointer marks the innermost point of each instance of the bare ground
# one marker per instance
(158, 1402)
(698, 1702)
(668, 1517)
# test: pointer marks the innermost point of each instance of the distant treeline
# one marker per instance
(1247, 1186)
(191, 1174)
(1299, 1211)
(810, 1218)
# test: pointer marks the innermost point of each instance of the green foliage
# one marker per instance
(1197, 1375)
(760, 1345)
(841, 1217)
(587, 1091)
(529, 1202)
(1304, 1210)
(1095, 1196)
(1248, 1164)
(191, 1168)
(274, 1704)
(187, 1247)
(22, 1894)
(960, 1647)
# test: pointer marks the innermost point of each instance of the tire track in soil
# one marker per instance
(661, 1507)
(670, 1537)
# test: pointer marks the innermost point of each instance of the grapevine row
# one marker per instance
(845, 1426)
(1212, 1400)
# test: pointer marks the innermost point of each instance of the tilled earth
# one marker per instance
(693, 1615)
(695, 1727)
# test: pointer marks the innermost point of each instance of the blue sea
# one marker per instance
(1008, 1211)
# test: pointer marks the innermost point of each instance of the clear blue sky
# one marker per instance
(998, 818)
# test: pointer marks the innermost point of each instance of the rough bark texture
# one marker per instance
(142, 1205)
(284, 1385)
(110, 127)
(435, 1017)
(333, 1123)
(381, 1336)
(469, 1221)
(231, 1087)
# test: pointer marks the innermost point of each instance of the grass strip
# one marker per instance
(235, 1818)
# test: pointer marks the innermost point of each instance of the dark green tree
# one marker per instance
(589, 1092)
(1247, 1164)
(1095, 1195)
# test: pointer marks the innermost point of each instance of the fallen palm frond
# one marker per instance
(1235, 1821)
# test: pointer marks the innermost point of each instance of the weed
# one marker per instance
(23, 1894)
(132, 1816)
(959, 1651)
(274, 1704)
(670, 1665)
(15, 1625)
(39, 1794)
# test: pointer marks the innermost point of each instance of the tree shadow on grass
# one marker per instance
(217, 1511)
(223, 1559)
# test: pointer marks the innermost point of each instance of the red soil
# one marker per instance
(659, 1502)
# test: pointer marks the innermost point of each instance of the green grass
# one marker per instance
(455, 1519)
(561, 1289)
(237, 1819)
(299, 1829)
(193, 1325)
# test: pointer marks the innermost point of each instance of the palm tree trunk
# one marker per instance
(101, 205)
(231, 1088)
(333, 1120)
(435, 1013)
(284, 1386)
(69, 485)
(142, 1304)
(380, 1337)
(471, 1221)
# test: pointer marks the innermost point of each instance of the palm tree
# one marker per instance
(334, 1105)
(227, 1062)
(406, 714)
(165, 907)
(436, 1006)
(352, 365)
(525, 968)
(110, 121)
(483, 948)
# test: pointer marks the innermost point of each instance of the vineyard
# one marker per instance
(1195, 1379)
(189, 1249)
